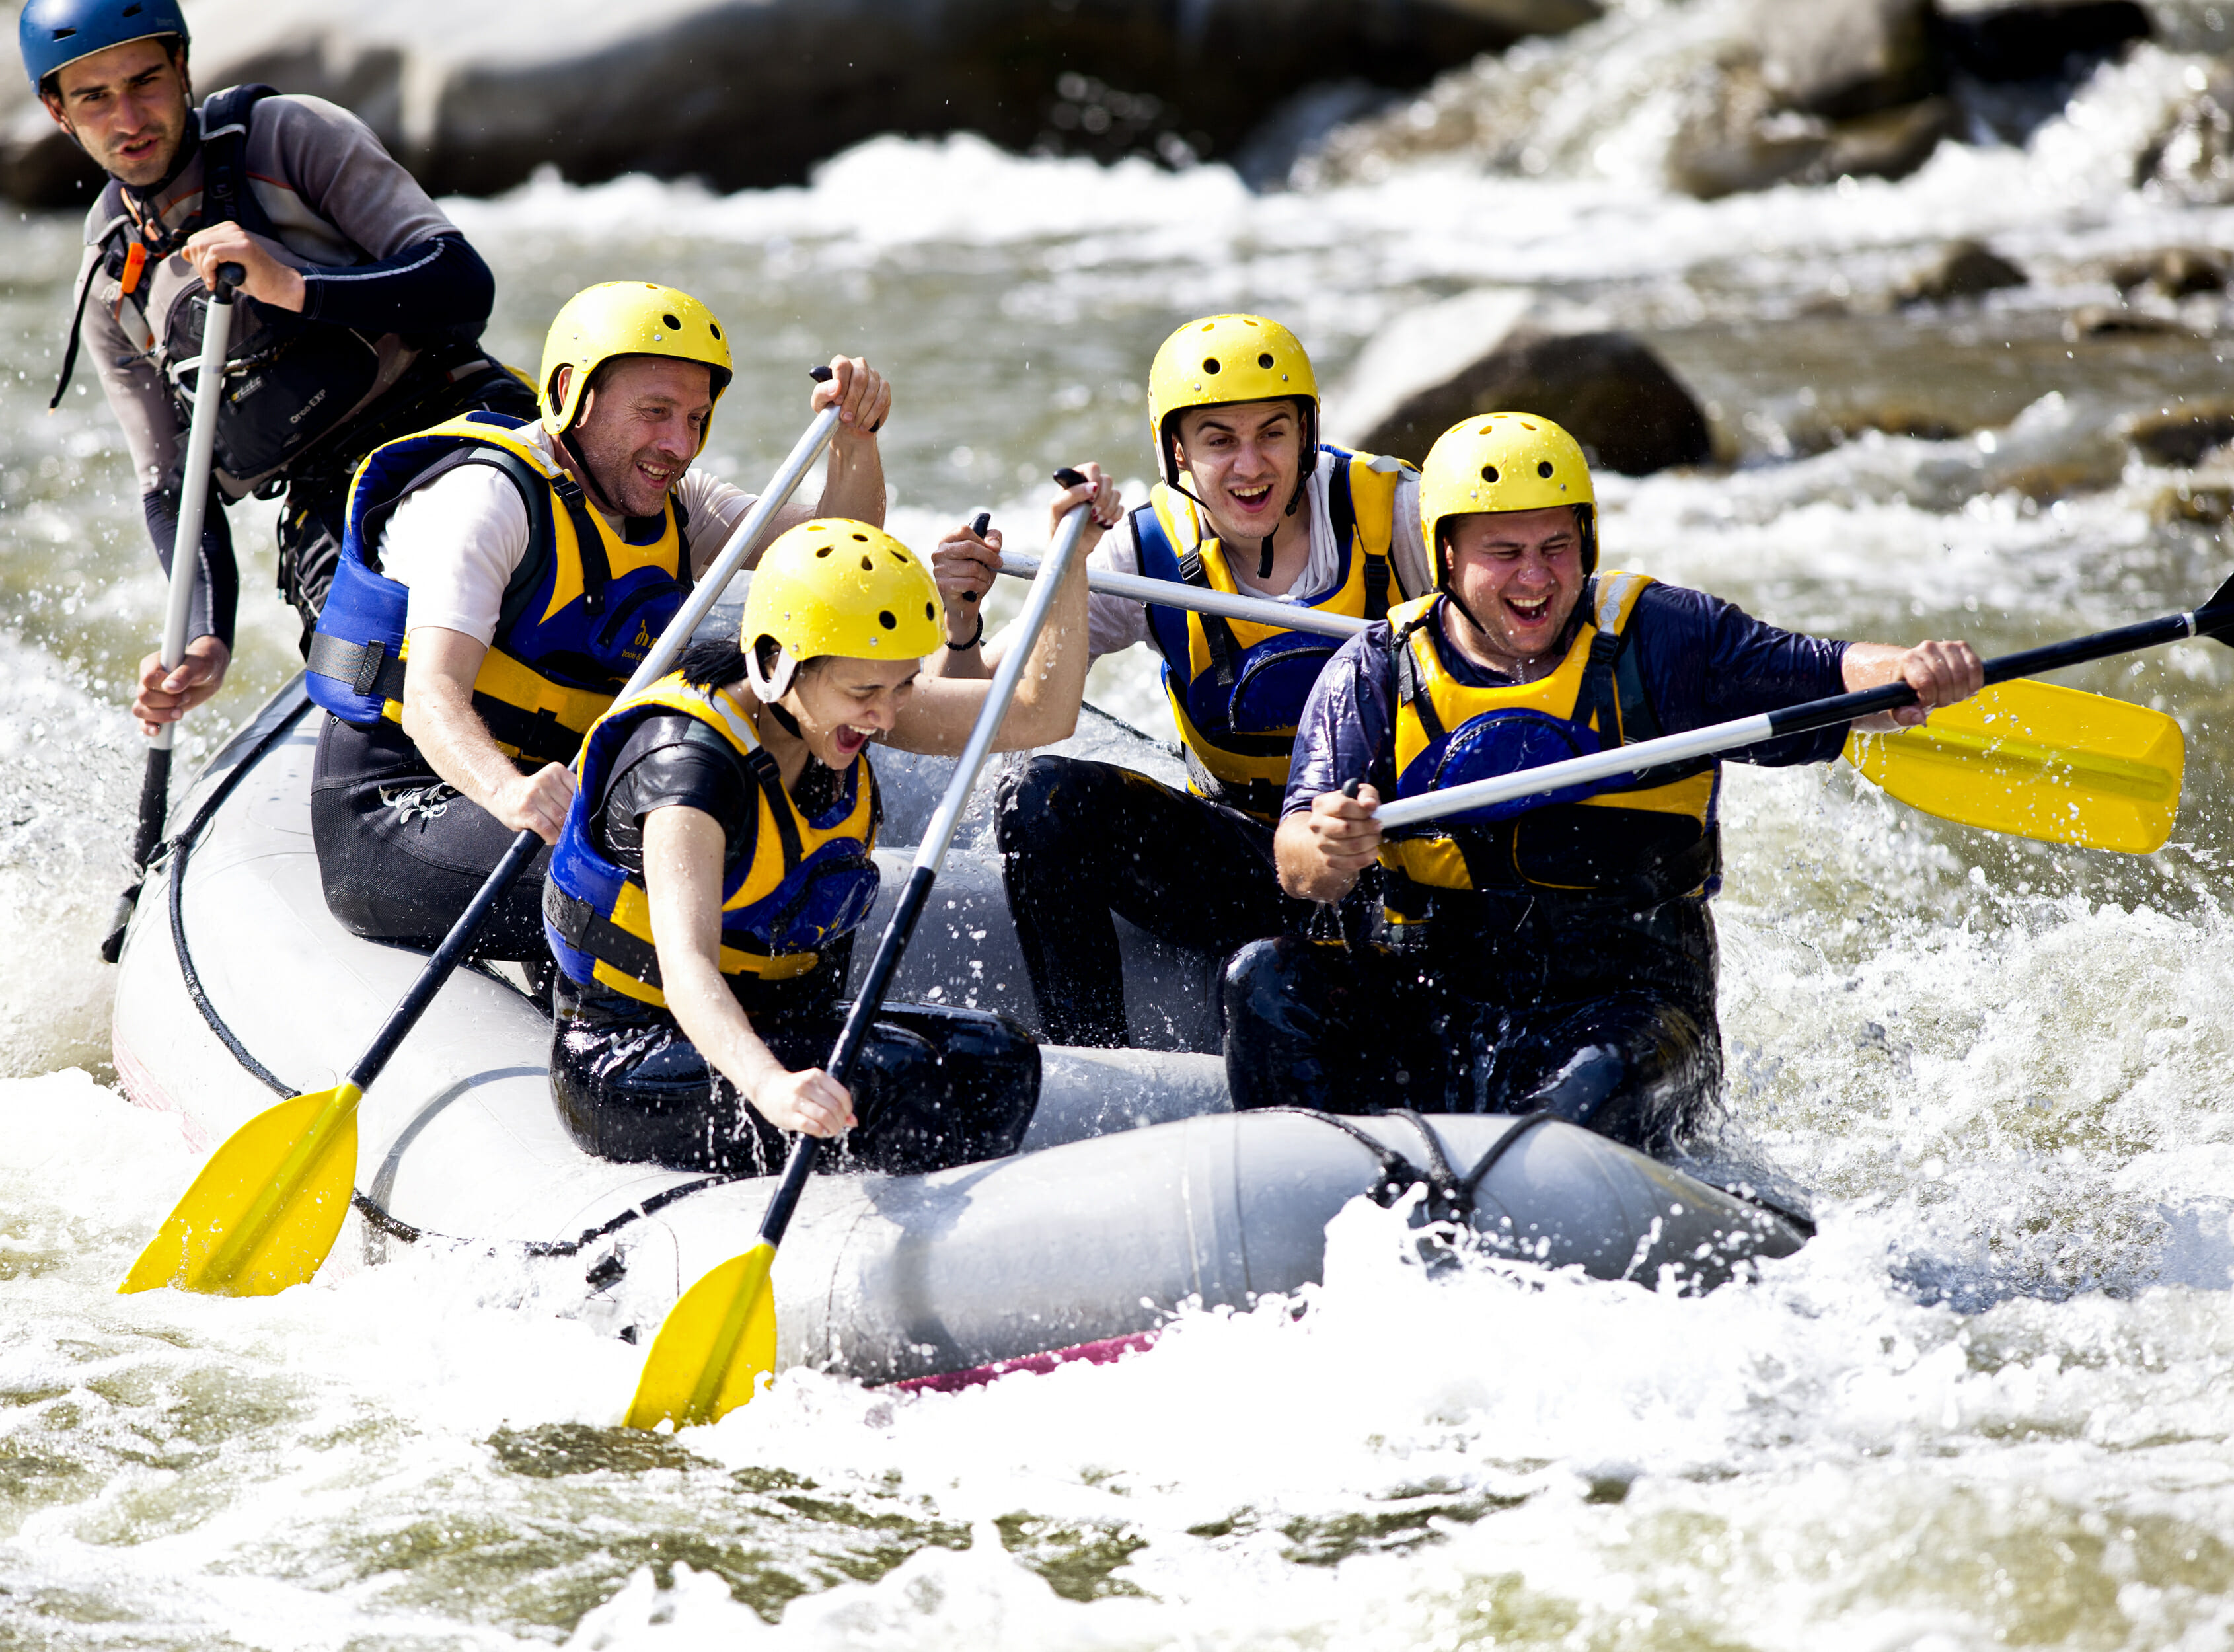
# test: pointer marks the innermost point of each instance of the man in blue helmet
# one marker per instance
(363, 313)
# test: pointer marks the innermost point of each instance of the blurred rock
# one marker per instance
(753, 92)
(2107, 321)
(2193, 158)
(2024, 40)
(1732, 136)
(2181, 437)
(1266, 157)
(1842, 58)
(1501, 349)
(1963, 270)
(2172, 272)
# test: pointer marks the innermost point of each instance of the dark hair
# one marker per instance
(711, 664)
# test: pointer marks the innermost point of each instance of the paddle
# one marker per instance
(265, 1210)
(719, 1338)
(186, 564)
(1164, 593)
(2077, 787)
(2008, 760)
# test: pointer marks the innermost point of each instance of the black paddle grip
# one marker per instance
(154, 805)
(1067, 477)
(229, 277)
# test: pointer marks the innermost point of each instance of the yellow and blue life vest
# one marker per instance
(1643, 838)
(1238, 689)
(808, 884)
(579, 614)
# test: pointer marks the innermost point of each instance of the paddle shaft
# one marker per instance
(185, 566)
(2212, 618)
(1164, 593)
(657, 662)
(929, 855)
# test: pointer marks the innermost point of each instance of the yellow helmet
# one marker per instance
(1504, 461)
(626, 319)
(832, 586)
(1223, 359)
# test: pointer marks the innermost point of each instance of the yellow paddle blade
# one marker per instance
(2038, 761)
(264, 1212)
(708, 1358)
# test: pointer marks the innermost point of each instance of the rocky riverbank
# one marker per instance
(749, 93)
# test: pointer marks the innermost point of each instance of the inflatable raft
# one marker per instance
(1138, 1190)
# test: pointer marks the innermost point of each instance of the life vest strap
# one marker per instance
(583, 928)
(368, 668)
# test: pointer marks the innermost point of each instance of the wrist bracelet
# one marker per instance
(976, 638)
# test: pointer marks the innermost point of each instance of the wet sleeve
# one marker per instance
(1345, 732)
(431, 287)
(1707, 661)
(216, 583)
(419, 278)
(671, 762)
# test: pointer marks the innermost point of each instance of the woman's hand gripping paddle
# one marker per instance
(185, 565)
(266, 1208)
(719, 1338)
(2112, 778)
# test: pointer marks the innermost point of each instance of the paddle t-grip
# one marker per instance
(819, 373)
(229, 279)
(984, 520)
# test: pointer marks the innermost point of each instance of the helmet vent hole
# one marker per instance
(131, 11)
(671, 325)
(1489, 473)
(885, 618)
(927, 613)
(1264, 359)
(1543, 468)
(823, 550)
(862, 537)
(1210, 364)
(713, 327)
(868, 566)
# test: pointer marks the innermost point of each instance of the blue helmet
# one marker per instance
(55, 32)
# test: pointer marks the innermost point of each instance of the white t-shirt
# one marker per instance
(1114, 622)
(456, 542)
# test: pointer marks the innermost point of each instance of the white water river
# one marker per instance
(1991, 1405)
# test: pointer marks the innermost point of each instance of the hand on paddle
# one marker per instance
(268, 281)
(1942, 673)
(964, 565)
(1321, 853)
(536, 802)
(165, 696)
(859, 393)
(809, 1100)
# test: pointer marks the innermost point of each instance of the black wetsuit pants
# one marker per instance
(1081, 841)
(401, 854)
(933, 1087)
(1613, 1028)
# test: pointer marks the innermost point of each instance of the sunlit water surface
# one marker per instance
(1988, 1405)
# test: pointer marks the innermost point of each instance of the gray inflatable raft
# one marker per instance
(1138, 1190)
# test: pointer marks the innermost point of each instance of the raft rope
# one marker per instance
(175, 852)
(1450, 1196)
